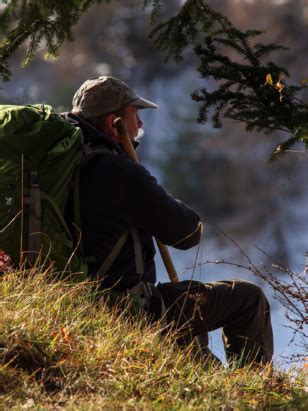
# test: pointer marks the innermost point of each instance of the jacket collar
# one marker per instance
(91, 135)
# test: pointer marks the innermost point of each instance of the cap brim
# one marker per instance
(143, 103)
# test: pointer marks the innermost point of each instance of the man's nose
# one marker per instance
(140, 123)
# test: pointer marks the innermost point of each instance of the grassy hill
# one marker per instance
(62, 349)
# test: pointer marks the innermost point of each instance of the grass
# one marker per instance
(60, 348)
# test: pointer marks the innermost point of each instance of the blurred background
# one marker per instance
(224, 174)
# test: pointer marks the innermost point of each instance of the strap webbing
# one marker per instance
(76, 211)
(138, 252)
(116, 250)
(112, 256)
(35, 221)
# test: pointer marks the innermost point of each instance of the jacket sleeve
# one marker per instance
(151, 208)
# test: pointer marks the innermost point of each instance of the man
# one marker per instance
(122, 207)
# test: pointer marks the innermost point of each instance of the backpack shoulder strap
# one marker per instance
(138, 252)
(112, 256)
(35, 218)
(107, 263)
(88, 154)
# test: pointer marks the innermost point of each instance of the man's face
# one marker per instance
(132, 121)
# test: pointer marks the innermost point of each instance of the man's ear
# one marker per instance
(109, 126)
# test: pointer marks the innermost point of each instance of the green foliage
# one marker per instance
(156, 9)
(242, 92)
(184, 29)
(234, 59)
(35, 21)
(62, 348)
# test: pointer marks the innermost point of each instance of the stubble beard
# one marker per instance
(140, 134)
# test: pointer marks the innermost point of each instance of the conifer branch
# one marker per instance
(33, 21)
(243, 94)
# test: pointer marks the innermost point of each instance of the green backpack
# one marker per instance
(39, 156)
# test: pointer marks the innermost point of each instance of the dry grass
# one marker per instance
(62, 349)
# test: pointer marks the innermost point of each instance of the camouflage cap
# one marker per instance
(103, 95)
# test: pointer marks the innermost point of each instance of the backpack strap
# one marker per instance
(109, 260)
(138, 252)
(76, 211)
(112, 256)
(33, 201)
(88, 154)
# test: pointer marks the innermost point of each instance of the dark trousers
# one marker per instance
(239, 307)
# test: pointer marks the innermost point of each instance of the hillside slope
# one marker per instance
(61, 349)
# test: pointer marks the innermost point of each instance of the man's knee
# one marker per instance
(252, 293)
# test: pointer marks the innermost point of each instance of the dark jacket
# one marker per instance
(117, 194)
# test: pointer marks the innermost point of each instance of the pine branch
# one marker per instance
(175, 35)
(243, 94)
(35, 21)
(156, 9)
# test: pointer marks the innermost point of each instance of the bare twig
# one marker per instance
(291, 291)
